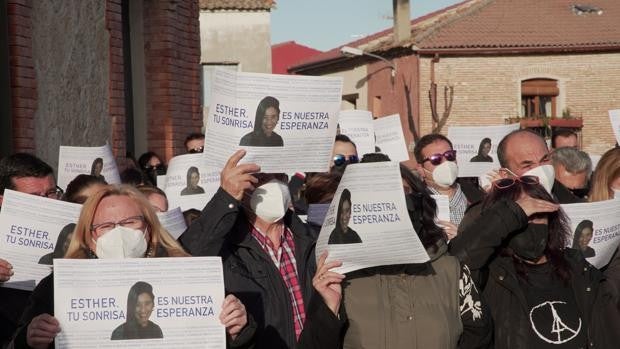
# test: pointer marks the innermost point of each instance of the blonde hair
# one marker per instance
(607, 169)
(159, 237)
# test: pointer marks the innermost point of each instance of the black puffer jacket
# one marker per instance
(595, 294)
(249, 272)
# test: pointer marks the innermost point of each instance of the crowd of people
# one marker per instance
(500, 273)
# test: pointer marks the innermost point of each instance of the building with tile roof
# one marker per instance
(503, 59)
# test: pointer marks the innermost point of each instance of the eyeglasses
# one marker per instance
(340, 159)
(196, 150)
(55, 193)
(505, 183)
(134, 222)
(435, 159)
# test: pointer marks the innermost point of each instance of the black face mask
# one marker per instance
(530, 244)
(580, 192)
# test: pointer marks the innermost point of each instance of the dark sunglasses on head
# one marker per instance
(505, 183)
(340, 159)
(435, 159)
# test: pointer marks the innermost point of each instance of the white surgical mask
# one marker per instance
(121, 242)
(545, 174)
(445, 174)
(270, 201)
(616, 193)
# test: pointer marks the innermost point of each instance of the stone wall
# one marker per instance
(70, 54)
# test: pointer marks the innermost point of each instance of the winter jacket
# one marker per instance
(477, 245)
(430, 305)
(249, 272)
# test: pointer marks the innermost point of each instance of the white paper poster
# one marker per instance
(97, 161)
(358, 125)
(139, 303)
(287, 123)
(30, 229)
(443, 207)
(173, 221)
(476, 147)
(369, 225)
(614, 117)
(190, 182)
(390, 138)
(595, 228)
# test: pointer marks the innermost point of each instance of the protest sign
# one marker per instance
(358, 125)
(476, 147)
(139, 302)
(96, 161)
(30, 229)
(369, 225)
(595, 229)
(286, 123)
(443, 207)
(190, 182)
(173, 221)
(390, 138)
(614, 117)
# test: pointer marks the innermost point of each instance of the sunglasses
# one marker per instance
(505, 183)
(340, 159)
(435, 159)
(196, 150)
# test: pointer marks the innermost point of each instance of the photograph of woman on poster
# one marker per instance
(582, 237)
(193, 178)
(342, 233)
(140, 304)
(267, 116)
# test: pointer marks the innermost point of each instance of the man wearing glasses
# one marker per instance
(437, 166)
(27, 174)
(343, 153)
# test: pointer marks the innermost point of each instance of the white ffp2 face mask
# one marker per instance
(616, 193)
(545, 174)
(445, 174)
(270, 201)
(121, 242)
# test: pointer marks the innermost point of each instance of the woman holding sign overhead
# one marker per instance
(267, 116)
(115, 222)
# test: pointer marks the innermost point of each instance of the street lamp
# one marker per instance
(352, 51)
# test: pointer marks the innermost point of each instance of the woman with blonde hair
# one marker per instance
(115, 222)
(606, 177)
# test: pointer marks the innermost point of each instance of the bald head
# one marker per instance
(522, 150)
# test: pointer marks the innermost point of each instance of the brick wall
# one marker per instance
(116, 94)
(172, 57)
(23, 77)
(487, 90)
(397, 95)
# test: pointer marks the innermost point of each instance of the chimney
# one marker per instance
(402, 25)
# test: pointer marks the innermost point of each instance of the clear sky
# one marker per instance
(325, 24)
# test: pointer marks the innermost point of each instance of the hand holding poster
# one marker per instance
(142, 302)
(190, 182)
(595, 228)
(390, 138)
(286, 123)
(614, 117)
(476, 147)
(358, 125)
(368, 226)
(96, 161)
(30, 235)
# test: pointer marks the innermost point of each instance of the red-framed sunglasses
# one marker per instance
(435, 159)
(505, 183)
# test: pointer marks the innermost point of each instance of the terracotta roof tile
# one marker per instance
(530, 23)
(499, 25)
(250, 5)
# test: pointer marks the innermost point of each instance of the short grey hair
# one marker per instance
(574, 160)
